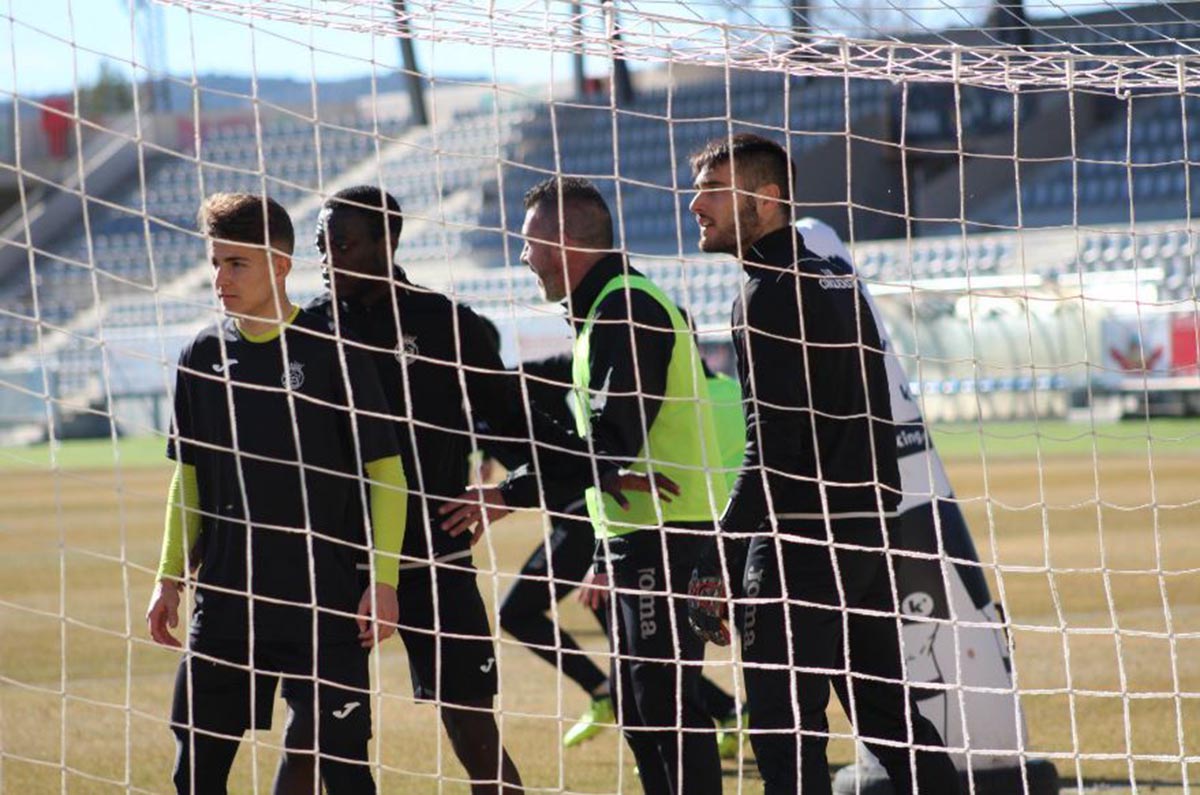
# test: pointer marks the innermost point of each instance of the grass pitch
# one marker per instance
(1088, 540)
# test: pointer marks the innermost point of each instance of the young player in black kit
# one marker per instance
(440, 375)
(276, 425)
(640, 394)
(820, 472)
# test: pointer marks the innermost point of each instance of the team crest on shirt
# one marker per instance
(294, 377)
(406, 348)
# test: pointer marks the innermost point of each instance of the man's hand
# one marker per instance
(593, 591)
(471, 508)
(615, 482)
(386, 617)
(163, 613)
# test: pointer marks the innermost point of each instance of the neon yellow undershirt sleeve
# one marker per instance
(182, 526)
(389, 515)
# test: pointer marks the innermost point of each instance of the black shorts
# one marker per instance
(452, 659)
(213, 692)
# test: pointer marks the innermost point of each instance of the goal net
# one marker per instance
(1007, 185)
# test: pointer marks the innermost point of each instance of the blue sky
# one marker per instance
(37, 56)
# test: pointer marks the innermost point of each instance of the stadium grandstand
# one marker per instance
(1109, 192)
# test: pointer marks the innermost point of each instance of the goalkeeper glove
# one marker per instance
(707, 611)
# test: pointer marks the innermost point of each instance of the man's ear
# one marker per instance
(281, 264)
(770, 197)
(769, 192)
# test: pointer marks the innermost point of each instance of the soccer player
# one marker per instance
(275, 423)
(640, 394)
(817, 494)
(441, 375)
(557, 566)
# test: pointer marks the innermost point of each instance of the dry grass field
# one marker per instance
(1093, 550)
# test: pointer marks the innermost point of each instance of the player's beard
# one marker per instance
(741, 227)
(747, 215)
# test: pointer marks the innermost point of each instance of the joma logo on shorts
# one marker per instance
(646, 582)
(753, 586)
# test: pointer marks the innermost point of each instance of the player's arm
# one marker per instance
(378, 448)
(777, 424)
(547, 383)
(182, 526)
(568, 467)
(387, 494)
(181, 531)
(497, 403)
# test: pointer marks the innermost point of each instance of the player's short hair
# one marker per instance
(757, 160)
(585, 214)
(373, 203)
(247, 218)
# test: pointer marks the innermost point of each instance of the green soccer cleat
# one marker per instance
(599, 716)
(729, 734)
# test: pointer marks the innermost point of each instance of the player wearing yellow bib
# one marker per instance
(641, 397)
(558, 564)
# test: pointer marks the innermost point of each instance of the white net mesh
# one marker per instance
(1011, 183)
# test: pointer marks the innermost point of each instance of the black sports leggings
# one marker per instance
(798, 606)
(656, 671)
(552, 572)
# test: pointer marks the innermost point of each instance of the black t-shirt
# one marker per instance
(446, 385)
(269, 429)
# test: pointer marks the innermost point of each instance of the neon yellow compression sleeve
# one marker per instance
(182, 528)
(389, 515)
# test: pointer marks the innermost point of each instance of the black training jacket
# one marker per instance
(427, 348)
(819, 435)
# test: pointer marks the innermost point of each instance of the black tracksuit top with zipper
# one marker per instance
(819, 434)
